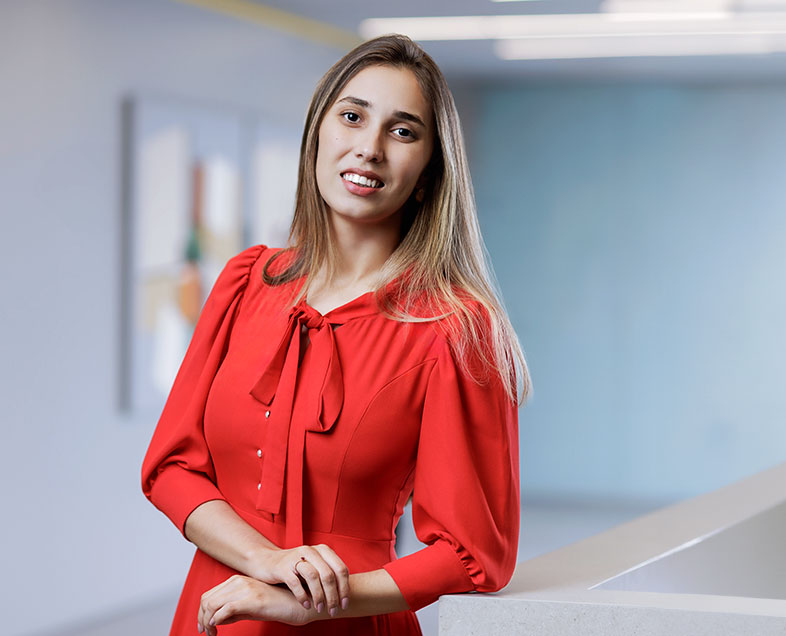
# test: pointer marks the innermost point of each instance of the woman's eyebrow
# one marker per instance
(399, 114)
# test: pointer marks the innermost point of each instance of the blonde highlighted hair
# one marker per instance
(441, 261)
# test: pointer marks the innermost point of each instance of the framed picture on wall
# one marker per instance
(200, 183)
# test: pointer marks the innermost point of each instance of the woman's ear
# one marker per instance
(429, 171)
(420, 186)
(425, 178)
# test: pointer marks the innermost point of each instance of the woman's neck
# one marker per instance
(362, 249)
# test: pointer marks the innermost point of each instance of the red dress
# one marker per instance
(328, 448)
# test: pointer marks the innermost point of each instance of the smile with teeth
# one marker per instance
(362, 181)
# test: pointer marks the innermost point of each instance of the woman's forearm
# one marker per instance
(216, 529)
(242, 597)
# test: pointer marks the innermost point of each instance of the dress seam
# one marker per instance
(248, 278)
(360, 421)
(398, 494)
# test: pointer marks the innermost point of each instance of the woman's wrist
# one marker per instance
(371, 593)
(257, 561)
(216, 529)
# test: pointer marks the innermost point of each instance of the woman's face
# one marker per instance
(374, 143)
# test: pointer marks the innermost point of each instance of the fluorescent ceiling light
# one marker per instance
(598, 35)
(582, 48)
(663, 16)
(667, 6)
(690, 6)
(566, 25)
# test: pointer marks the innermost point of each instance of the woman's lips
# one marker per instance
(361, 190)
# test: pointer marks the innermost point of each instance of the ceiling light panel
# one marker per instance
(661, 46)
(666, 6)
(567, 25)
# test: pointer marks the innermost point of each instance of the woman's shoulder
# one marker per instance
(453, 322)
(464, 336)
(255, 253)
(275, 260)
(457, 315)
(247, 257)
(255, 259)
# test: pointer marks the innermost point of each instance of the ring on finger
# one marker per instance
(298, 562)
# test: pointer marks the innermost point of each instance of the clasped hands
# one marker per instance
(291, 586)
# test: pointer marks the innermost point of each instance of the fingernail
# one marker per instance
(344, 603)
(212, 621)
(199, 627)
(307, 604)
(320, 607)
(333, 611)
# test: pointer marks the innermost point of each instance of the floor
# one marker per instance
(545, 526)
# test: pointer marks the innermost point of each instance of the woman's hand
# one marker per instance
(325, 575)
(243, 598)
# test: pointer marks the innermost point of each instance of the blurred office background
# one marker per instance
(631, 191)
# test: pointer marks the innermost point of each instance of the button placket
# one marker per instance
(259, 450)
(282, 466)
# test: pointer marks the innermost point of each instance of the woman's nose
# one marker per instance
(369, 147)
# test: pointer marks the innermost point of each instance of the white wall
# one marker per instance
(639, 236)
(78, 536)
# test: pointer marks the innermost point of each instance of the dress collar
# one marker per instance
(363, 305)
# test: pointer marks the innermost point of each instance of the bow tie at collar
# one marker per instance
(285, 438)
(324, 358)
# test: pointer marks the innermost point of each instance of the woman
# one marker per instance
(327, 382)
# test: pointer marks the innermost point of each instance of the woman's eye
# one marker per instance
(405, 133)
(351, 117)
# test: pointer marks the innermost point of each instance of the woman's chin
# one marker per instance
(367, 217)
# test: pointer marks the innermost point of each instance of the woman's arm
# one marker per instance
(243, 598)
(216, 529)
(372, 593)
(219, 531)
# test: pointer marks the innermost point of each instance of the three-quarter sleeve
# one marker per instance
(177, 471)
(466, 503)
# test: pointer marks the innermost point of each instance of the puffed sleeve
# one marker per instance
(465, 503)
(177, 471)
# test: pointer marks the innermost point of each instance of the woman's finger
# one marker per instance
(206, 612)
(227, 611)
(202, 614)
(211, 601)
(328, 580)
(292, 581)
(308, 572)
(334, 588)
(240, 607)
(340, 570)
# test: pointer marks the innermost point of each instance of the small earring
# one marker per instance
(420, 195)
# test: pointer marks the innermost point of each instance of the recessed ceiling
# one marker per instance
(479, 59)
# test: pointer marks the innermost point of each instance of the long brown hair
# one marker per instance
(441, 261)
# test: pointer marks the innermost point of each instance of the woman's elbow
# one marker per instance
(497, 576)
